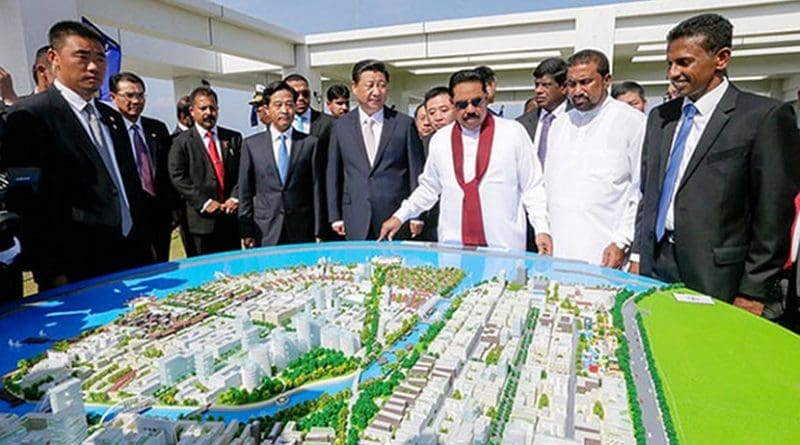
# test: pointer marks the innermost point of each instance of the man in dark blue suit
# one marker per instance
(280, 175)
(374, 159)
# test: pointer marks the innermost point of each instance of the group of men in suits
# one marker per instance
(711, 195)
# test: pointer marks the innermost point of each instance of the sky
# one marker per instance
(317, 16)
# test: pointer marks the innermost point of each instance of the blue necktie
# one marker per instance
(300, 123)
(283, 159)
(671, 177)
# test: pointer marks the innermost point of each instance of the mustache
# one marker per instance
(471, 115)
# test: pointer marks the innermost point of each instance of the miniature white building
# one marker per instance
(68, 423)
(173, 367)
(251, 375)
(260, 356)
(204, 364)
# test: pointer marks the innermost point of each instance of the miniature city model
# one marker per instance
(375, 352)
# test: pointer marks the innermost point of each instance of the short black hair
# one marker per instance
(336, 91)
(202, 91)
(295, 77)
(369, 65)
(183, 105)
(627, 86)
(486, 72)
(41, 57)
(553, 66)
(66, 28)
(419, 107)
(113, 81)
(436, 91)
(586, 56)
(466, 76)
(717, 30)
(274, 87)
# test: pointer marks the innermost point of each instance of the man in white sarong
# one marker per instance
(485, 171)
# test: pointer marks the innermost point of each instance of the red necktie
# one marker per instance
(216, 162)
(472, 233)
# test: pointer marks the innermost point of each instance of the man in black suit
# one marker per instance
(375, 157)
(280, 178)
(550, 94)
(719, 172)
(183, 114)
(150, 141)
(84, 219)
(310, 121)
(204, 168)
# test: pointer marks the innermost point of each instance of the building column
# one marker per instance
(25, 24)
(594, 29)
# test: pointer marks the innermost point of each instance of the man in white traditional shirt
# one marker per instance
(484, 170)
(593, 167)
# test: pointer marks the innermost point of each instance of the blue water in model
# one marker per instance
(64, 313)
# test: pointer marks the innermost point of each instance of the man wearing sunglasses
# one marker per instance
(484, 171)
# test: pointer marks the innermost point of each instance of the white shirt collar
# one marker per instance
(73, 98)
(202, 131)
(708, 102)
(182, 127)
(591, 114)
(363, 116)
(557, 111)
(307, 115)
(275, 133)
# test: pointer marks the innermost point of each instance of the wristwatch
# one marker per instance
(625, 248)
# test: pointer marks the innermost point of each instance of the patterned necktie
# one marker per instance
(216, 162)
(369, 136)
(673, 167)
(143, 162)
(103, 150)
(542, 151)
(283, 159)
(300, 123)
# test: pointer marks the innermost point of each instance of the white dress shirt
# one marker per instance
(705, 108)
(377, 127)
(78, 106)
(557, 112)
(206, 142)
(513, 181)
(275, 134)
(592, 179)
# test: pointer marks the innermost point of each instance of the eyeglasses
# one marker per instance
(132, 96)
(304, 93)
(463, 104)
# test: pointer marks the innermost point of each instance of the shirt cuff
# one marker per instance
(403, 214)
(339, 223)
(205, 206)
(418, 221)
(634, 258)
(541, 225)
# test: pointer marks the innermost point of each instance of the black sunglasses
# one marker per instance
(463, 104)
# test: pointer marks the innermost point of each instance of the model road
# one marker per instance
(651, 414)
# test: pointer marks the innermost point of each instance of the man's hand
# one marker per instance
(7, 87)
(230, 206)
(213, 206)
(390, 228)
(544, 244)
(249, 243)
(613, 257)
(338, 228)
(416, 228)
(633, 268)
(752, 306)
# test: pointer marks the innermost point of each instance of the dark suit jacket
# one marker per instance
(365, 196)
(267, 208)
(733, 206)
(193, 176)
(321, 125)
(77, 202)
(161, 206)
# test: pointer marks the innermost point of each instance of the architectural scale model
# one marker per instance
(376, 351)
